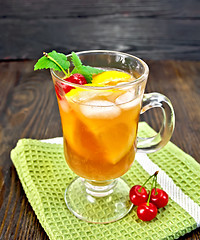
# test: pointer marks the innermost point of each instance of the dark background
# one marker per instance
(155, 29)
(165, 33)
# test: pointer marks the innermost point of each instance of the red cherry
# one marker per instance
(159, 198)
(147, 212)
(75, 78)
(138, 195)
(57, 91)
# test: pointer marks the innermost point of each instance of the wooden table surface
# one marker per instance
(28, 109)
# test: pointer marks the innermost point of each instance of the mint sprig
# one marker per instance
(53, 60)
(58, 62)
(86, 71)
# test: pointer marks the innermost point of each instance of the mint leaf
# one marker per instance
(60, 58)
(76, 60)
(45, 63)
(86, 71)
(54, 60)
(80, 68)
(87, 74)
(93, 70)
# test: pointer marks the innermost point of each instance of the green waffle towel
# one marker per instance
(45, 175)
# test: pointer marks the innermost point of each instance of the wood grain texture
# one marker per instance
(28, 108)
(149, 29)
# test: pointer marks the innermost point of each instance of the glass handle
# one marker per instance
(152, 144)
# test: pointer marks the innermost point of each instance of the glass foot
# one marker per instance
(98, 201)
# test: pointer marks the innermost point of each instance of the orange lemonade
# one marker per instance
(99, 95)
(100, 127)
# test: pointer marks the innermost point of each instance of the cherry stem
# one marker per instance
(155, 174)
(52, 59)
(155, 185)
(151, 188)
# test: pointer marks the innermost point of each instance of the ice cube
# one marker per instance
(102, 109)
(128, 87)
(64, 105)
(126, 97)
(127, 100)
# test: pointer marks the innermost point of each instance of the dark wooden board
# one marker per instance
(28, 108)
(139, 8)
(149, 29)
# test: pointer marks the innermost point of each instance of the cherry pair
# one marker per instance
(148, 203)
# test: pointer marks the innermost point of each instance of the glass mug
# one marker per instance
(100, 134)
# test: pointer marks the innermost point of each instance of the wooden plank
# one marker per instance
(149, 39)
(23, 96)
(149, 29)
(66, 9)
(28, 108)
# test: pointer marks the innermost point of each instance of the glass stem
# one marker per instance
(99, 188)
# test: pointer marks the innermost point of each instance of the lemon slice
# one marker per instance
(107, 78)
(111, 78)
(82, 95)
(76, 91)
